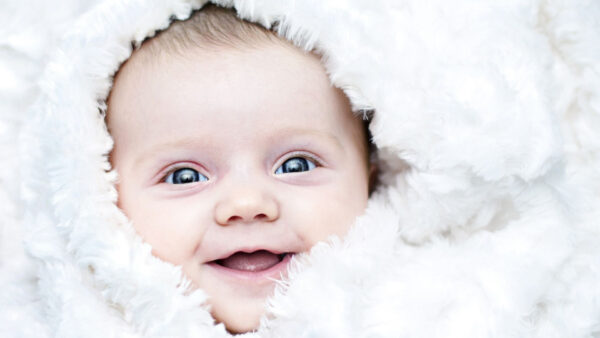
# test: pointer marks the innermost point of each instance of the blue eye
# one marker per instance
(296, 165)
(184, 176)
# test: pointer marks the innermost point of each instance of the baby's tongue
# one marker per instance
(256, 261)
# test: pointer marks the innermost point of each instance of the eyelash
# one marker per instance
(173, 169)
(317, 161)
(314, 159)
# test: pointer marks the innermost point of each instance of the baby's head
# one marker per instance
(234, 153)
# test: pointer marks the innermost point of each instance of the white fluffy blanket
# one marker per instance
(485, 225)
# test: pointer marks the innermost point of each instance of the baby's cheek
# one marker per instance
(172, 231)
(329, 213)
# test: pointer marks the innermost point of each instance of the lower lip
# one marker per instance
(277, 271)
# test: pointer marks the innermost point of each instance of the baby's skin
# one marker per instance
(233, 160)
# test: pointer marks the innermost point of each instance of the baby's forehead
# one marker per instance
(247, 82)
(197, 63)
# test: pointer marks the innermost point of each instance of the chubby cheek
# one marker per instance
(172, 227)
(329, 211)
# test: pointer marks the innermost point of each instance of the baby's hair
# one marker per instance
(211, 26)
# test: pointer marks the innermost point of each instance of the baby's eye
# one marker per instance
(185, 175)
(296, 165)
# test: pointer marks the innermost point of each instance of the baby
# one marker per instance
(234, 154)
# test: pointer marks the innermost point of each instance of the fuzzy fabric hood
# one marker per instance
(485, 223)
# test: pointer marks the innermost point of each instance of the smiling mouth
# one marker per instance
(256, 261)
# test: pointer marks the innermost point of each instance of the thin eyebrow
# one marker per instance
(303, 132)
(186, 141)
(195, 142)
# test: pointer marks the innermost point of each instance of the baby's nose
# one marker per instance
(246, 206)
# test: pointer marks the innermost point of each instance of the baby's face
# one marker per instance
(233, 161)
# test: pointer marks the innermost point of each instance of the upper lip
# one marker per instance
(222, 245)
(247, 249)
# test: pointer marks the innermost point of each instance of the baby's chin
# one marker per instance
(239, 284)
(240, 317)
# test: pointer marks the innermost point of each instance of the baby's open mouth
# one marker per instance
(252, 262)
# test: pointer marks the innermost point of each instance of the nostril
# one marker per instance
(234, 219)
(260, 217)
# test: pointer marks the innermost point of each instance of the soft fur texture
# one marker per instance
(485, 223)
